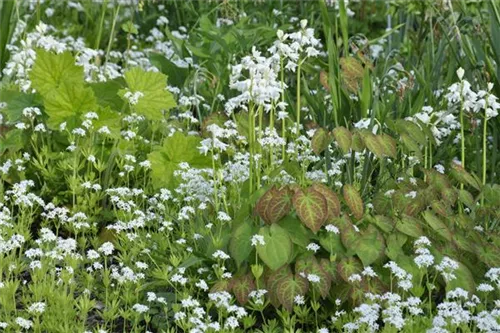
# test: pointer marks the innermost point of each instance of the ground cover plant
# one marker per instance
(249, 166)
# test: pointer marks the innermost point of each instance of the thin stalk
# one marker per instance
(298, 97)
(101, 24)
(111, 36)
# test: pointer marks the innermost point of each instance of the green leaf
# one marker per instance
(106, 93)
(370, 246)
(373, 143)
(353, 200)
(437, 225)
(51, 70)
(16, 102)
(177, 75)
(299, 234)
(464, 279)
(311, 207)
(388, 144)
(68, 103)
(343, 138)
(278, 248)
(289, 287)
(240, 245)
(320, 140)
(129, 27)
(156, 98)
(166, 159)
(409, 226)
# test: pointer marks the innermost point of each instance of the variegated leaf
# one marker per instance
(320, 140)
(289, 287)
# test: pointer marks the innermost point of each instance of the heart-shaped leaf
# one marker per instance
(353, 200)
(311, 207)
(370, 246)
(320, 140)
(289, 287)
(240, 245)
(332, 201)
(279, 205)
(242, 286)
(343, 138)
(278, 247)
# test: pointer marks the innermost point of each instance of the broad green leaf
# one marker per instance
(464, 177)
(51, 70)
(278, 248)
(385, 223)
(166, 159)
(177, 75)
(409, 226)
(437, 225)
(357, 142)
(332, 200)
(320, 140)
(289, 287)
(16, 103)
(332, 243)
(153, 86)
(354, 201)
(106, 93)
(373, 143)
(370, 246)
(68, 103)
(240, 245)
(299, 234)
(311, 207)
(388, 144)
(464, 279)
(343, 137)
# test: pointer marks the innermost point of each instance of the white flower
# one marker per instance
(107, 248)
(219, 254)
(313, 278)
(313, 247)
(258, 240)
(485, 288)
(24, 323)
(460, 73)
(37, 308)
(332, 228)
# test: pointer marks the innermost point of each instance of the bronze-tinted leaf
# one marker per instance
(320, 140)
(354, 201)
(343, 138)
(311, 207)
(242, 286)
(332, 200)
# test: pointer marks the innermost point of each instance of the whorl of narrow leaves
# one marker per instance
(311, 207)
(242, 286)
(274, 204)
(354, 201)
(289, 287)
(332, 200)
(343, 138)
(320, 140)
